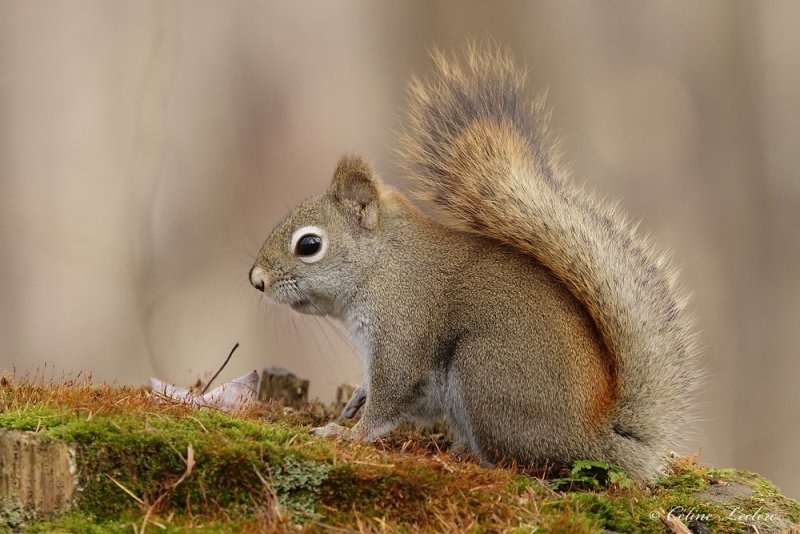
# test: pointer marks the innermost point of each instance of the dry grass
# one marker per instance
(260, 470)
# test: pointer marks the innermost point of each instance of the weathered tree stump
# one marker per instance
(37, 474)
(284, 387)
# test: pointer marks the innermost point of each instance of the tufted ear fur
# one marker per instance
(355, 186)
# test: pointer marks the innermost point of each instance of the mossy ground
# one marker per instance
(261, 471)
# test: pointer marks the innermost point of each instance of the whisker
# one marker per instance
(277, 329)
(259, 308)
(292, 320)
(316, 343)
(344, 335)
(321, 327)
(237, 283)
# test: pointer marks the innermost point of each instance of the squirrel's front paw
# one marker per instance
(332, 430)
(357, 400)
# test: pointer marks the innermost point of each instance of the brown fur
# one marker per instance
(541, 328)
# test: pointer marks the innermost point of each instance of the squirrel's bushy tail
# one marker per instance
(480, 151)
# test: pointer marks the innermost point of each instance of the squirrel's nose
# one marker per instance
(258, 277)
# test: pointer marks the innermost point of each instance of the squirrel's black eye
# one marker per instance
(308, 245)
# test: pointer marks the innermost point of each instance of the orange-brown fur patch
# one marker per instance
(608, 388)
(505, 154)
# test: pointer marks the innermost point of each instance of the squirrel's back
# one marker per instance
(480, 151)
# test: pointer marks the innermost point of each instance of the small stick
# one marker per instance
(203, 392)
(675, 525)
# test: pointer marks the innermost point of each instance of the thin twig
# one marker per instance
(189, 461)
(149, 513)
(675, 525)
(126, 490)
(203, 392)
(196, 420)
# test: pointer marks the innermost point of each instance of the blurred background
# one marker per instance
(147, 148)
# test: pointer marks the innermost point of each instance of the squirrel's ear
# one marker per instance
(355, 187)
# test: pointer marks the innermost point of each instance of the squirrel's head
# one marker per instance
(312, 259)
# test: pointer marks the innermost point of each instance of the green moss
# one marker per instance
(260, 471)
(686, 479)
(80, 523)
(120, 455)
(766, 498)
(389, 493)
(32, 418)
